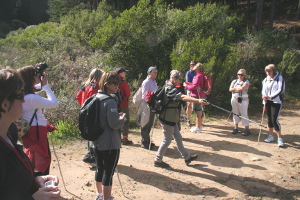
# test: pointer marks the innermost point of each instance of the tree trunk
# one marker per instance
(272, 14)
(259, 10)
(298, 11)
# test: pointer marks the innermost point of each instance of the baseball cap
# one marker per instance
(151, 69)
(120, 70)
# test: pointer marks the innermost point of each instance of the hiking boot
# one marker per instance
(269, 139)
(280, 142)
(93, 164)
(88, 158)
(125, 141)
(161, 164)
(196, 129)
(188, 123)
(235, 131)
(247, 132)
(193, 157)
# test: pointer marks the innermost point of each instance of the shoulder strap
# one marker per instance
(34, 115)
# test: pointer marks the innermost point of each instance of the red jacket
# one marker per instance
(125, 92)
(85, 93)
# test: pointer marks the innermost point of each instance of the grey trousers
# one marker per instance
(168, 132)
(145, 131)
(126, 124)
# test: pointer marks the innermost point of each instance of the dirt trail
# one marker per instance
(229, 166)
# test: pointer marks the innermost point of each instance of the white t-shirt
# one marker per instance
(35, 101)
(237, 83)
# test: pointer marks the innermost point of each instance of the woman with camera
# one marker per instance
(239, 101)
(35, 141)
(17, 178)
(109, 142)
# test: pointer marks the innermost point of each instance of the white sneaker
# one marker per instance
(280, 142)
(196, 129)
(99, 197)
(270, 138)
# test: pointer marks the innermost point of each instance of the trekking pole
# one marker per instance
(262, 119)
(236, 114)
(152, 128)
(62, 178)
(228, 117)
(120, 182)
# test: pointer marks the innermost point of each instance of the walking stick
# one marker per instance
(62, 177)
(228, 117)
(236, 114)
(262, 119)
(152, 128)
(120, 182)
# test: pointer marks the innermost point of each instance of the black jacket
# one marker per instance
(16, 173)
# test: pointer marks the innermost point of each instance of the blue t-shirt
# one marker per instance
(190, 76)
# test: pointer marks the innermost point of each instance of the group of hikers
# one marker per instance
(24, 173)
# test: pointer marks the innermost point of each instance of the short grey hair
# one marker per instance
(175, 73)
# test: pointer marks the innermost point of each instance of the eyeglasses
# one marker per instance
(192, 64)
(19, 96)
(180, 79)
(241, 74)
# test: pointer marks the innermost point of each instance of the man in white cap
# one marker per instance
(148, 85)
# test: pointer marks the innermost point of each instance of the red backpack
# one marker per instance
(207, 84)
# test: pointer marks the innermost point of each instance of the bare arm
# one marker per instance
(245, 86)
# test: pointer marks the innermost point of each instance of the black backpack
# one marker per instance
(155, 100)
(89, 117)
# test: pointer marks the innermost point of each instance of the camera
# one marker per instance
(40, 68)
(50, 183)
(240, 99)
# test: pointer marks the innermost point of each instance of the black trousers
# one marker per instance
(106, 164)
(273, 111)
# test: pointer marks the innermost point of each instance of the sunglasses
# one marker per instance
(192, 64)
(19, 96)
(115, 83)
(241, 74)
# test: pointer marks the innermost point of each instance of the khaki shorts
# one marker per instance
(197, 107)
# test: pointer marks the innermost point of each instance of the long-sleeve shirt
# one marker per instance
(148, 85)
(197, 85)
(273, 87)
(34, 101)
(110, 123)
(125, 93)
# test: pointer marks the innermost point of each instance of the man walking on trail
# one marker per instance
(189, 78)
(148, 85)
(125, 94)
